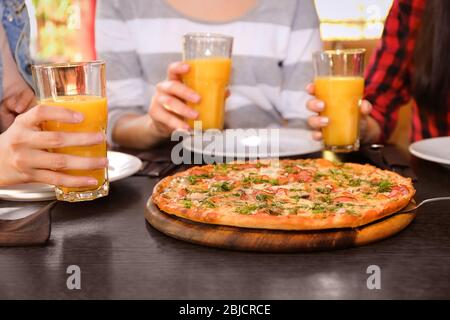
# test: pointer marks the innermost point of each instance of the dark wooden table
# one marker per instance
(121, 256)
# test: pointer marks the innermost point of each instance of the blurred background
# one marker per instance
(63, 30)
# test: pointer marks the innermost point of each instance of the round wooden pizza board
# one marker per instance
(262, 240)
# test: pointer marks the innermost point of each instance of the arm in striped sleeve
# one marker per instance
(126, 88)
(297, 66)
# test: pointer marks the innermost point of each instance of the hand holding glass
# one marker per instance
(339, 83)
(209, 58)
(79, 87)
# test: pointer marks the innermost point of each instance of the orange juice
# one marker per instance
(342, 97)
(209, 77)
(95, 113)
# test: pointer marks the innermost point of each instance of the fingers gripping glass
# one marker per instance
(79, 87)
(339, 82)
(209, 58)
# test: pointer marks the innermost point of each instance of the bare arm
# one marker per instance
(166, 113)
(137, 132)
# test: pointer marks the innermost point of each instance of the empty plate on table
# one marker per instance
(434, 149)
(253, 143)
(121, 165)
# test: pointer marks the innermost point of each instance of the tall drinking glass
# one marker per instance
(339, 82)
(79, 87)
(209, 57)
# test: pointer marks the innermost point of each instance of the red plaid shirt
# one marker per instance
(389, 76)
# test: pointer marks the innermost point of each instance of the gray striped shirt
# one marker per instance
(272, 52)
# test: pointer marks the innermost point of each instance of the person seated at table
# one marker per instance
(411, 63)
(141, 42)
(23, 145)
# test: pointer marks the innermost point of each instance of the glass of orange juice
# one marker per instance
(79, 87)
(339, 83)
(209, 58)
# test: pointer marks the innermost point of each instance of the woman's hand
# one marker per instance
(369, 129)
(168, 108)
(15, 105)
(167, 112)
(23, 146)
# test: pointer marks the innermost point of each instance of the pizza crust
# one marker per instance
(288, 222)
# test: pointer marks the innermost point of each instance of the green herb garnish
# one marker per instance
(326, 198)
(246, 209)
(336, 172)
(354, 182)
(194, 178)
(290, 170)
(255, 179)
(187, 203)
(222, 167)
(274, 182)
(209, 204)
(351, 212)
(263, 197)
(324, 190)
(384, 186)
(318, 208)
(318, 175)
(222, 186)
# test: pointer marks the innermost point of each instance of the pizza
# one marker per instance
(306, 194)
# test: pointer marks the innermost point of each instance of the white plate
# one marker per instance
(435, 150)
(253, 143)
(121, 165)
